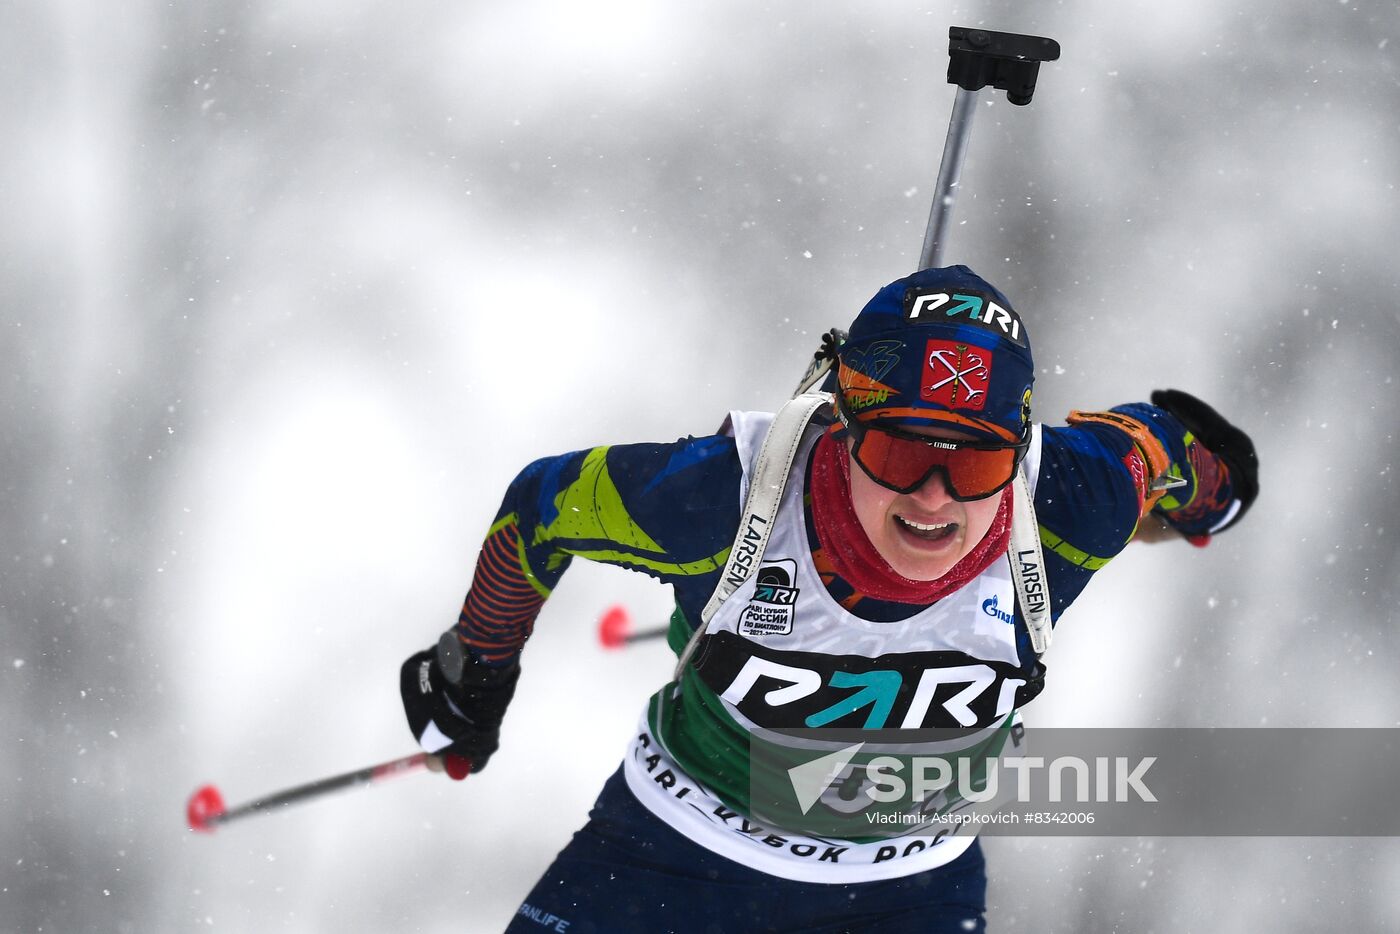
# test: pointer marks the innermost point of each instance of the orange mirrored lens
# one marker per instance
(903, 464)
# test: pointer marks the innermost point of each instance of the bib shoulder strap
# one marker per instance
(1028, 565)
(767, 481)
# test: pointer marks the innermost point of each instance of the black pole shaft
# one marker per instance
(656, 633)
(322, 786)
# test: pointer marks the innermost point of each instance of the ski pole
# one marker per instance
(976, 58)
(206, 811)
(949, 174)
(615, 629)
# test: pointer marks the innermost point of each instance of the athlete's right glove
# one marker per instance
(455, 703)
(1228, 443)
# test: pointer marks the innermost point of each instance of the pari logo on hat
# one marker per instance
(940, 346)
(921, 305)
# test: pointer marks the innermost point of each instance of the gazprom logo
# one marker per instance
(991, 609)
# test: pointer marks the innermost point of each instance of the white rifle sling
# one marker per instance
(766, 485)
(1028, 566)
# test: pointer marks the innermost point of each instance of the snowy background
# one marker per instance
(292, 289)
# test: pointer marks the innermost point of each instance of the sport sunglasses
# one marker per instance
(903, 461)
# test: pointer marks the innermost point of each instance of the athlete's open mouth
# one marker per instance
(929, 532)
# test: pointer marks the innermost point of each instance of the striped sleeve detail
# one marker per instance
(592, 520)
(1147, 460)
(504, 599)
(626, 559)
(1073, 555)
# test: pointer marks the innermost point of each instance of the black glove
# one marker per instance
(1222, 439)
(455, 703)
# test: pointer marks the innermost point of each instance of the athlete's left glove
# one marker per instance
(455, 703)
(1227, 442)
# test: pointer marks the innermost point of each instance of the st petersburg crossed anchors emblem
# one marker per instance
(975, 368)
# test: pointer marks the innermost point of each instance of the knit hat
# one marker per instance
(942, 346)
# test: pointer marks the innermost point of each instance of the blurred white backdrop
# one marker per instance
(292, 290)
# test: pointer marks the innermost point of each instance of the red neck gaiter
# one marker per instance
(855, 559)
